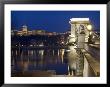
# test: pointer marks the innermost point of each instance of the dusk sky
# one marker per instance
(53, 21)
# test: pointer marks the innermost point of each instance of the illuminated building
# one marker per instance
(49, 33)
(33, 32)
(30, 32)
(24, 30)
(19, 33)
(14, 32)
(40, 32)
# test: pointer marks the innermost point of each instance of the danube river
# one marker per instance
(46, 62)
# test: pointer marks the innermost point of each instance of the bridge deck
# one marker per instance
(94, 64)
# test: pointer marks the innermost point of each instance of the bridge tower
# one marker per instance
(80, 33)
(79, 25)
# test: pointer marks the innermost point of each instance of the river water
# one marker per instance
(59, 61)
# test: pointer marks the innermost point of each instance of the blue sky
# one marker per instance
(53, 21)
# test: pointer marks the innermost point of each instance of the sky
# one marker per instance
(52, 21)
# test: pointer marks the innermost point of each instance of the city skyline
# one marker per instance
(35, 52)
(53, 21)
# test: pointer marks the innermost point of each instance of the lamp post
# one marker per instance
(89, 27)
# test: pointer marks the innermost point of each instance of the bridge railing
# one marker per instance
(91, 66)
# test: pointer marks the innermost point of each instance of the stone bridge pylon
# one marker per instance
(79, 26)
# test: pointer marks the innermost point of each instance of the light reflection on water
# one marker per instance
(61, 61)
(50, 59)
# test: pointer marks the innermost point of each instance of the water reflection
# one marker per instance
(58, 61)
(45, 59)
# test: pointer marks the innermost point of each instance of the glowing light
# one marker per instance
(31, 45)
(90, 33)
(41, 52)
(62, 42)
(89, 27)
(68, 50)
(41, 45)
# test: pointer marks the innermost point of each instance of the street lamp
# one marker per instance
(89, 27)
(90, 33)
